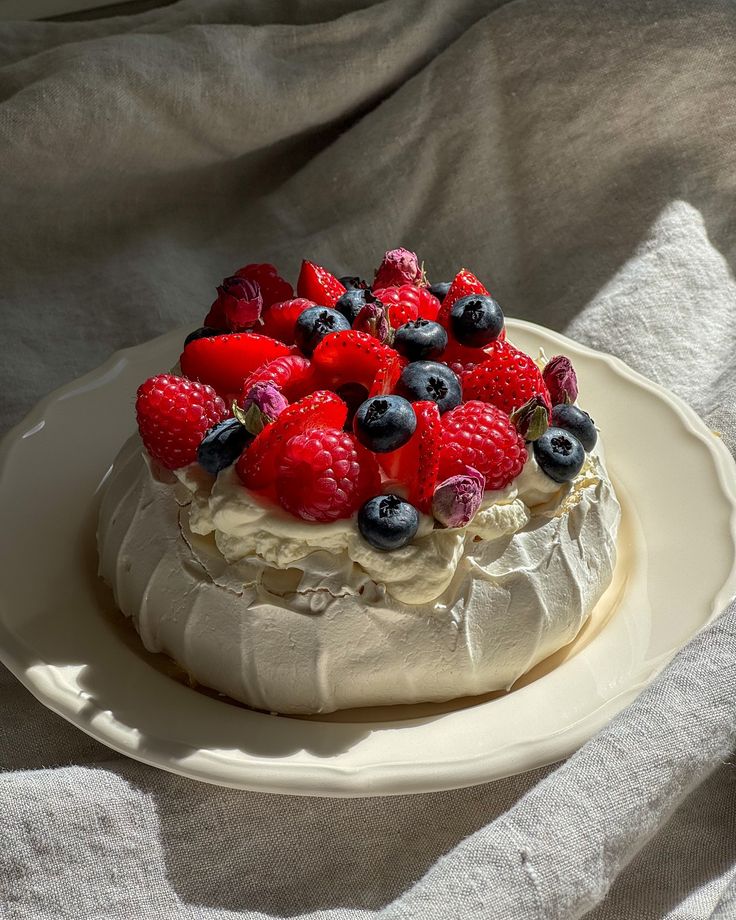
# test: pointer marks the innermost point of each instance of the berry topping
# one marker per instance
(352, 282)
(314, 324)
(577, 422)
(325, 475)
(440, 289)
(463, 283)
(222, 445)
(204, 332)
(399, 266)
(420, 339)
(507, 378)
(274, 289)
(407, 302)
(292, 374)
(561, 380)
(224, 361)
(476, 320)
(257, 465)
(279, 320)
(481, 436)
(352, 302)
(388, 522)
(415, 464)
(384, 423)
(317, 284)
(173, 416)
(559, 454)
(388, 374)
(350, 357)
(430, 380)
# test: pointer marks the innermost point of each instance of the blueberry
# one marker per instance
(222, 445)
(440, 289)
(204, 332)
(353, 395)
(314, 324)
(476, 320)
(352, 282)
(384, 423)
(559, 454)
(420, 339)
(352, 302)
(429, 380)
(388, 522)
(576, 422)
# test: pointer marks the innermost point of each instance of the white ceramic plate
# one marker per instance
(62, 638)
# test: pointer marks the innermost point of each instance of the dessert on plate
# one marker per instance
(358, 495)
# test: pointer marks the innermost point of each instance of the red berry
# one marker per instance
(463, 283)
(274, 289)
(350, 356)
(317, 284)
(325, 475)
(415, 465)
(257, 464)
(481, 436)
(461, 359)
(224, 361)
(292, 374)
(280, 318)
(507, 378)
(408, 302)
(388, 375)
(173, 415)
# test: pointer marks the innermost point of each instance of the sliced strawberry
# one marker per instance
(350, 357)
(280, 318)
(388, 375)
(292, 374)
(317, 284)
(274, 289)
(415, 465)
(463, 283)
(258, 463)
(224, 361)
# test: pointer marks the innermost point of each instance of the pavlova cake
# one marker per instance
(361, 495)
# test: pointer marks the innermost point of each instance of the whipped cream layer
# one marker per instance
(296, 617)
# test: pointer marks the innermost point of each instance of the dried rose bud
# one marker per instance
(457, 499)
(262, 405)
(561, 380)
(399, 266)
(373, 319)
(531, 419)
(240, 302)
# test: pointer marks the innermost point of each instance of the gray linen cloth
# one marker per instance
(579, 155)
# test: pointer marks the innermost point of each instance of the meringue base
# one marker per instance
(246, 629)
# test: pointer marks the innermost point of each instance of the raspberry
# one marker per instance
(317, 284)
(507, 378)
(481, 436)
(415, 464)
(292, 374)
(280, 318)
(325, 475)
(274, 289)
(173, 416)
(463, 283)
(224, 361)
(257, 465)
(350, 357)
(408, 302)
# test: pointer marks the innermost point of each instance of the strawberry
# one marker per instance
(463, 283)
(478, 435)
(274, 289)
(317, 284)
(388, 375)
(461, 359)
(507, 378)
(407, 302)
(280, 318)
(224, 361)
(350, 357)
(258, 463)
(173, 416)
(415, 465)
(292, 374)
